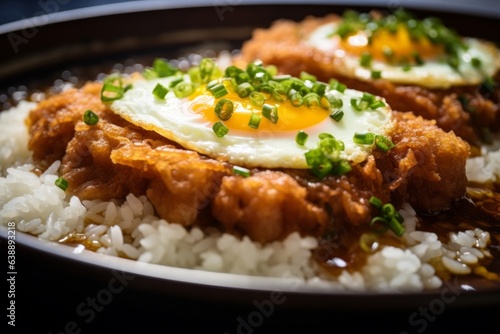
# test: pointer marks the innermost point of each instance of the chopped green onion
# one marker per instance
(366, 59)
(163, 68)
(476, 62)
(220, 129)
(335, 102)
(61, 183)
(379, 224)
(90, 117)
(281, 77)
(312, 99)
(359, 104)
(149, 74)
(325, 158)
(383, 143)
(257, 99)
(376, 74)
(207, 69)
(224, 109)
(377, 104)
(307, 76)
(183, 89)
(337, 115)
(270, 112)
(296, 98)
(341, 168)
(272, 70)
(112, 88)
(260, 77)
(335, 85)
(301, 137)
(244, 89)
(218, 90)
(407, 68)
(254, 121)
(279, 91)
(253, 68)
(365, 138)
(266, 90)
(396, 226)
(388, 218)
(241, 171)
(376, 202)
(160, 91)
(242, 77)
(369, 242)
(194, 75)
(233, 71)
(368, 97)
(174, 83)
(319, 88)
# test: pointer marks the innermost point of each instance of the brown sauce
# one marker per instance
(479, 209)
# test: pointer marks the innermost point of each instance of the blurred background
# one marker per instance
(18, 10)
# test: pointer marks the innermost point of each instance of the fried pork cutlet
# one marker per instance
(471, 111)
(113, 157)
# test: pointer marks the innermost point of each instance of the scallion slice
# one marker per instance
(233, 71)
(207, 68)
(377, 104)
(364, 138)
(218, 90)
(112, 88)
(174, 83)
(254, 121)
(301, 137)
(307, 76)
(241, 171)
(220, 129)
(295, 98)
(183, 89)
(160, 91)
(337, 115)
(244, 89)
(90, 117)
(312, 99)
(383, 143)
(61, 183)
(257, 99)
(224, 109)
(335, 85)
(476, 62)
(163, 68)
(366, 59)
(335, 102)
(270, 112)
(376, 74)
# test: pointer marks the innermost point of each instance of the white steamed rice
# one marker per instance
(130, 229)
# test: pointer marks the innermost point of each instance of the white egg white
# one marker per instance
(175, 119)
(432, 74)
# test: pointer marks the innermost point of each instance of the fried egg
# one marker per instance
(403, 52)
(189, 122)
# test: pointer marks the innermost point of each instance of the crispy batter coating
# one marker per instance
(52, 123)
(113, 158)
(468, 110)
(426, 166)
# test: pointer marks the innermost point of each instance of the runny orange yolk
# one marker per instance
(400, 43)
(289, 117)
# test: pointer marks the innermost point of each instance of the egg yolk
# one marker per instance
(387, 45)
(289, 116)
